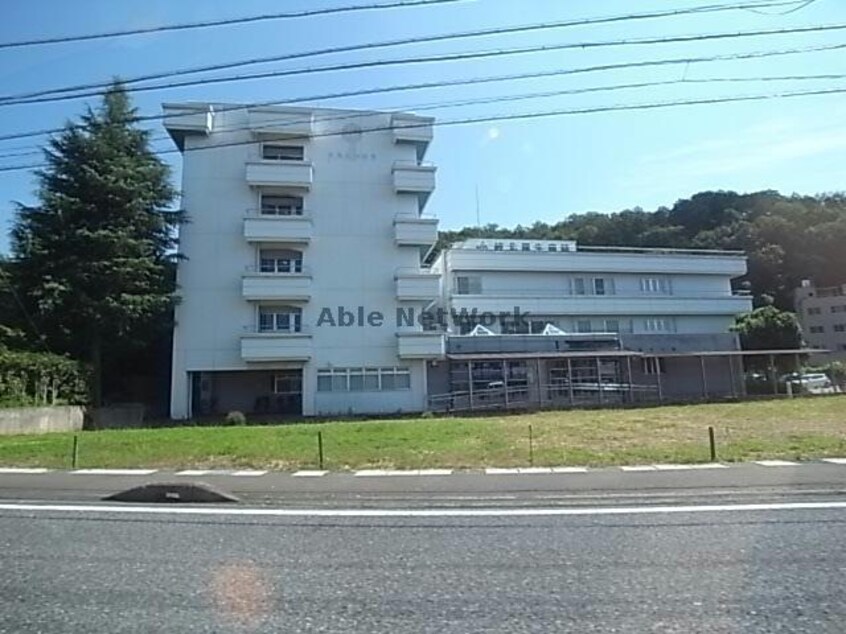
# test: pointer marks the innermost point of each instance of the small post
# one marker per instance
(713, 444)
(531, 448)
(320, 449)
(75, 454)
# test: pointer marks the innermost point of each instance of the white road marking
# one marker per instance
(250, 473)
(684, 467)
(499, 471)
(640, 467)
(369, 473)
(534, 470)
(194, 472)
(307, 473)
(442, 512)
(569, 470)
(126, 472)
(835, 460)
(776, 463)
(22, 470)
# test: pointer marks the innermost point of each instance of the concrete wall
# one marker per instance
(40, 420)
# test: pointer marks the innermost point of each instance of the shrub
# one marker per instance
(40, 378)
(235, 418)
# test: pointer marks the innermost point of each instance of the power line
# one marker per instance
(445, 58)
(491, 79)
(530, 116)
(407, 41)
(228, 22)
(437, 105)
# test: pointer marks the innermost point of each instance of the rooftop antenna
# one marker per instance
(478, 212)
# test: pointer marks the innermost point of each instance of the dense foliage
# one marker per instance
(768, 328)
(40, 378)
(93, 260)
(787, 238)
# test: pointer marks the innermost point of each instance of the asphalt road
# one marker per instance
(609, 569)
(741, 482)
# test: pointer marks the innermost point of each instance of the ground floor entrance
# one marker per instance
(278, 392)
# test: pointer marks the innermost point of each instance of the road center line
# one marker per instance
(443, 512)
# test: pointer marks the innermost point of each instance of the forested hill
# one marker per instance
(787, 238)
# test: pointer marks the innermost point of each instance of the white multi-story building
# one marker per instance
(550, 322)
(306, 233)
(591, 289)
(304, 291)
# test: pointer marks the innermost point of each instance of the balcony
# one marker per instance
(537, 304)
(409, 128)
(266, 228)
(275, 346)
(415, 231)
(267, 173)
(416, 285)
(181, 120)
(280, 123)
(294, 287)
(414, 178)
(421, 345)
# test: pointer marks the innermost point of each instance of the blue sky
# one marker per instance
(542, 169)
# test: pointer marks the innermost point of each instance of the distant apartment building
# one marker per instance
(305, 293)
(822, 315)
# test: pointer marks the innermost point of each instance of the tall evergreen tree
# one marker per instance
(94, 257)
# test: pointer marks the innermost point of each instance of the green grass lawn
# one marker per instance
(796, 429)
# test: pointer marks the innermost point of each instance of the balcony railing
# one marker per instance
(260, 227)
(280, 173)
(417, 284)
(414, 177)
(421, 344)
(260, 286)
(419, 231)
(275, 345)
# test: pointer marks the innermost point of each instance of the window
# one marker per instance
(816, 330)
(837, 309)
(536, 327)
(272, 205)
(280, 261)
(652, 365)
(659, 285)
(839, 327)
(467, 285)
(658, 324)
(598, 286)
(815, 310)
(525, 246)
(583, 325)
(273, 152)
(552, 247)
(280, 319)
(512, 326)
(603, 286)
(290, 383)
(363, 379)
(579, 286)
(497, 246)
(612, 325)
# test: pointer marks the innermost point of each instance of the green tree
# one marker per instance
(93, 260)
(768, 328)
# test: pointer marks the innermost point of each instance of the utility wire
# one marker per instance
(406, 41)
(526, 116)
(483, 80)
(439, 105)
(228, 22)
(449, 57)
